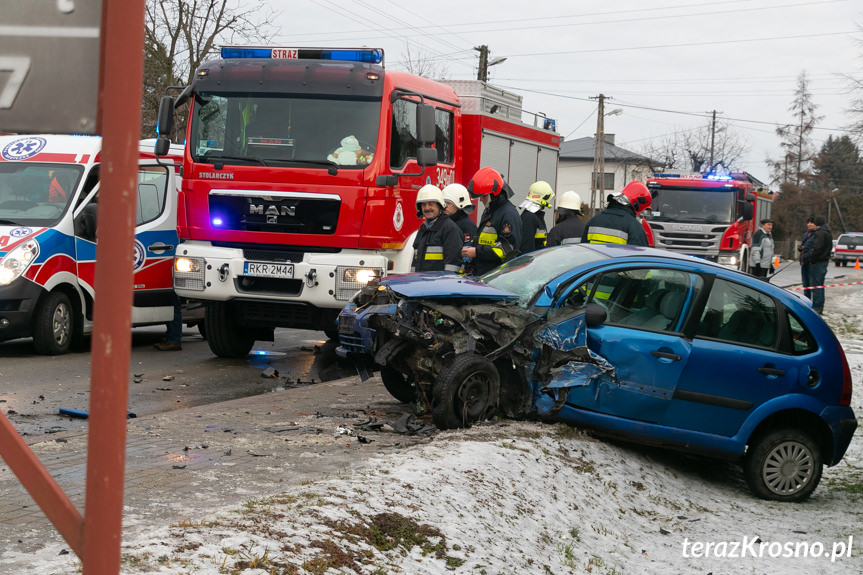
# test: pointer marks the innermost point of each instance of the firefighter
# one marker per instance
(458, 208)
(617, 224)
(568, 226)
(533, 229)
(500, 231)
(438, 243)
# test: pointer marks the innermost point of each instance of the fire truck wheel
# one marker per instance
(465, 392)
(224, 336)
(398, 386)
(53, 325)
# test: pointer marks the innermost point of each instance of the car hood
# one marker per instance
(443, 285)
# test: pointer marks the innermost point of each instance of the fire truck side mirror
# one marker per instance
(162, 147)
(425, 125)
(426, 157)
(165, 119)
(746, 209)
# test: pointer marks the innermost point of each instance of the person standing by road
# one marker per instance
(534, 232)
(761, 256)
(459, 207)
(818, 255)
(500, 232)
(617, 224)
(437, 246)
(804, 247)
(568, 226)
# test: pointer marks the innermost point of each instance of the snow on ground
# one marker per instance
(523, 497)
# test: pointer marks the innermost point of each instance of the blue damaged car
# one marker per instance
(637, 343)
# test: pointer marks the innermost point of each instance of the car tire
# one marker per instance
(224, 336)
(783, 465)
(466, 391)
(397, 385)
(332, 334)
(54, 325)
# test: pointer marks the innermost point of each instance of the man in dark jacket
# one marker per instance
(500, 228)
(438, 242)
(568, 227)
(817, 255)
(804, 266)
(534, 232)
(617, 224)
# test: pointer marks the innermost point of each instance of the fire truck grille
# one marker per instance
(690, 242)
(275, 214)
(263, 255)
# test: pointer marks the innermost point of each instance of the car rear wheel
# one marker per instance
(783, 465)
(398, 385)
(54, 325)
(466, 391)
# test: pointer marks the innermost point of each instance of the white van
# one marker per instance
(49, 189)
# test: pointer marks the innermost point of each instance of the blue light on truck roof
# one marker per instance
(367, 55)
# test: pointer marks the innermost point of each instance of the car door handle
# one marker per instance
(160, 247)
(771, 371)
(665, 355)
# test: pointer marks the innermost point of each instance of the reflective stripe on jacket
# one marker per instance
(438, 247)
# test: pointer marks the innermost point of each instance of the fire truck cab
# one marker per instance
(49, 192)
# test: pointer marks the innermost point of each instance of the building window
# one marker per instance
(608, 181)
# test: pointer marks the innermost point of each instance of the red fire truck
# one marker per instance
(708, 216)
(300, 176)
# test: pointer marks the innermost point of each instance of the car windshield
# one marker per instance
(268, 130)
(695, 206)
(36, 194)
(526, 275)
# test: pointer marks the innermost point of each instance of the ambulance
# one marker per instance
(49, 192)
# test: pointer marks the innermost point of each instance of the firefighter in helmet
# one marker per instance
(568, 227)
(458, 208)
(533, 229)
(500, 229)
(617, 224)
(437, 246)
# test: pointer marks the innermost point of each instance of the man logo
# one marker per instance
(272, 212)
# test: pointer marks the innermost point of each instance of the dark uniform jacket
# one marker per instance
(818, 249)
(570, 228)
(437, 247)
(533, 231)
(615, 225)
(499, 235)
(467, 227)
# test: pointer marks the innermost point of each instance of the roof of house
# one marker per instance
(583, 149)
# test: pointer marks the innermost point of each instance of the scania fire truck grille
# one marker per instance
(691, 242)
(274, 214)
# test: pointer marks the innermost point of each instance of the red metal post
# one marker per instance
(122, 67)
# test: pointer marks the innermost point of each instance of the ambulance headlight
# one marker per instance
(17, 261)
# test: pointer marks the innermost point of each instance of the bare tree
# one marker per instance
(180, 35)
(418, 61)
(691, 149)
(795, 167)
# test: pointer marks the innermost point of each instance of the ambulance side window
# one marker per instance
(89, 184)
(152, 183)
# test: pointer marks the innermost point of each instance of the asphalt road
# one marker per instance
(34, 388)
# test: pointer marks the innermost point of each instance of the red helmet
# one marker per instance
(637, 195)
(487, 181)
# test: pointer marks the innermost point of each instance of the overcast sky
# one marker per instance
(667, 63)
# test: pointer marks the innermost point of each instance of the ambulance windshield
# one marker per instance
(279, 130)
(36, 194)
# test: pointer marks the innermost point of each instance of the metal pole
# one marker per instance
(598, 156)
(121, 70)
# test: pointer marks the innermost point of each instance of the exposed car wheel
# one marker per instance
(398, 386)
(54, 325)
(783, 465)
(224, 336)
(465, 392)
(332, 334)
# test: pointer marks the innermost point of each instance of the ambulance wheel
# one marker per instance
(224, 336)
(397, 385)
(54, 324)
(467, 391)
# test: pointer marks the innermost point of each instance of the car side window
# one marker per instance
(803, 341)
(739, 314)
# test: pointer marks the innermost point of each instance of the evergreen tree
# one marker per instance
(794, 169)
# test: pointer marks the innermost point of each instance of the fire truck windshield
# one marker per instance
(710, 206)
(279, 130)
(36, 194)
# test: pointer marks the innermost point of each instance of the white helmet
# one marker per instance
(459, 196)
(570, 200)
(429, 193)
(538, 196)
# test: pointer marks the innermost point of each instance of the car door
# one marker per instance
(637, 353)
(735, 363)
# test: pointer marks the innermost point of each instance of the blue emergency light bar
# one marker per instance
(367, 55)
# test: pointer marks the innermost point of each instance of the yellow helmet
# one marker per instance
(539, 196)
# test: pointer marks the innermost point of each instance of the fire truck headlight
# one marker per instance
(350, 279)
(16, 262)
(189, 273)
(727, 260)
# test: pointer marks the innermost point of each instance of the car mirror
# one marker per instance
(594, 314)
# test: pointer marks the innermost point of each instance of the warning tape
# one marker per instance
(824, 286)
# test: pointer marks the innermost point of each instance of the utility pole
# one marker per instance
(712, 139)
(597, 180)
(482, 71)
